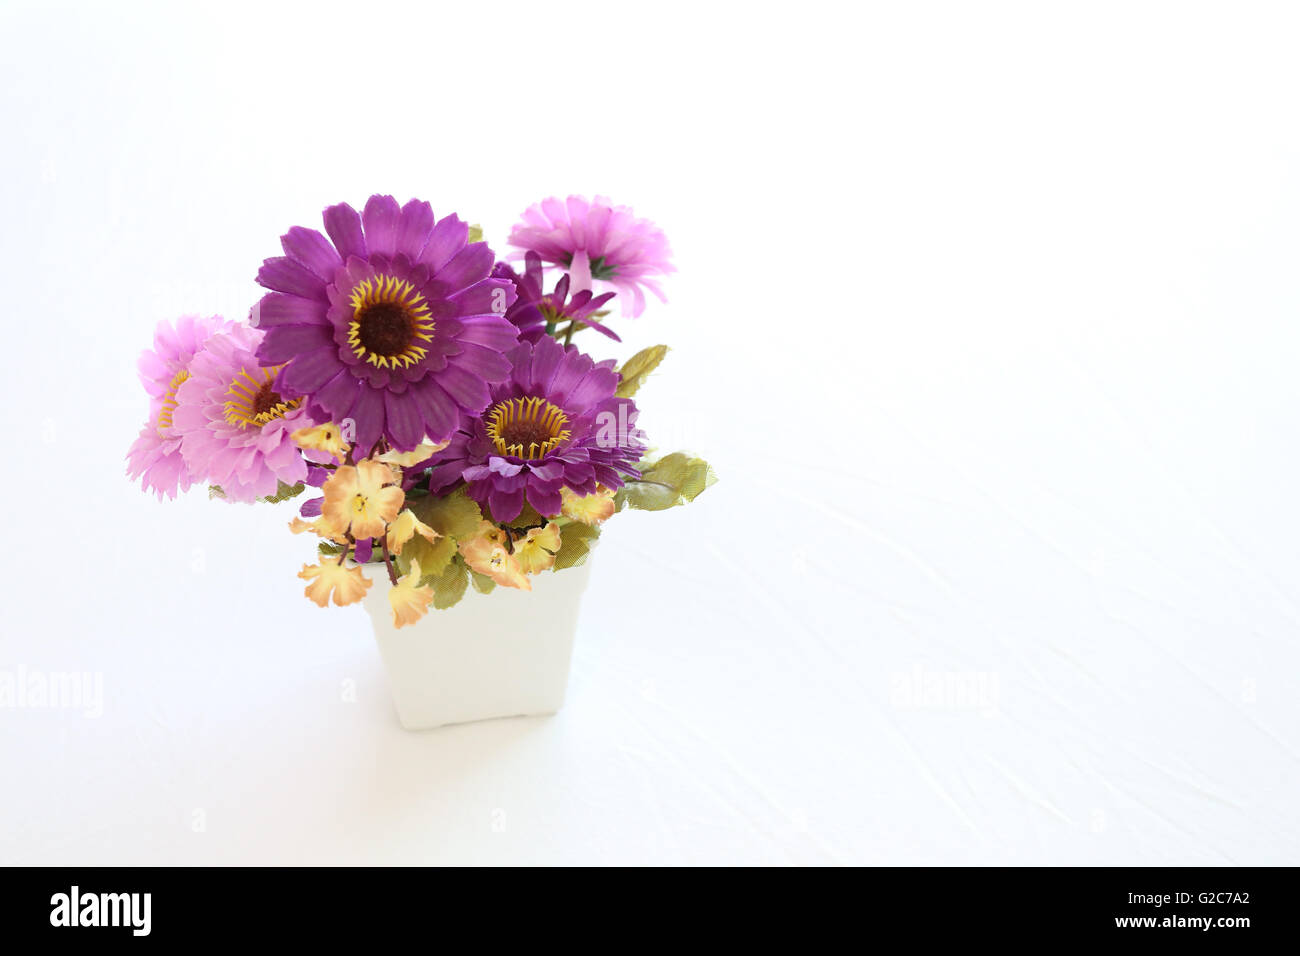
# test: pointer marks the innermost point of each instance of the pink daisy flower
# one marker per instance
(157, 462)
(155, 456)
(173, 347)
(597, 241)
(234, 427)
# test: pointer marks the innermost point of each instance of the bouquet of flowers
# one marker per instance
(432, 396)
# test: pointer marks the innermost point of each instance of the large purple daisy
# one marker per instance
(395, 322)
(555, 423)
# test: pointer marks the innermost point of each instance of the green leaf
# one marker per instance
(638, 368)
(215, 491)
(449, 587)
(454, 515)
(647, 496)
(482, 583)
(475, 232)
(688, 475)
(328, 549)
(673, 480)
(576, 541)
(283, 492)
(433, 557)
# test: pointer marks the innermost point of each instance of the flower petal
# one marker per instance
(416, 224)
(309, 370)
(283, 343)
(402, 421)
(276, 308)
(380, 220)
(343, 225)
(312, 250)
(282, 274)
(448, 237)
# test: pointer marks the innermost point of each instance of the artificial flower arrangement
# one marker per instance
(432, 394)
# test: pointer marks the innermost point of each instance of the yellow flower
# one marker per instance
(405, 459)
(405, 528)
(319, 527)
(486, 553)
(535, 551)
(348, 585)
(362, 500)
(327, 438)
(589, 509)
(410, 602)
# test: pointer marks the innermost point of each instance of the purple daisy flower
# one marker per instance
(600, 241)
(536, 313)
(394, 322)
(555, 423)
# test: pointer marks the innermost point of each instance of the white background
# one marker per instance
(986, 317)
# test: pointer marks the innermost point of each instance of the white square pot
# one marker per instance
(502, 654)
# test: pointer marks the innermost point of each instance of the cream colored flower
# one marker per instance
(405, 459)
(405, 528)
(589, 509)
(535, 551)
(327, 438)
(348, 585)
(318, 527)
(362, 500)
(409, 601)
(486, 553)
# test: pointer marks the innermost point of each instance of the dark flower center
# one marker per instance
(526, 427)
(267, 398)
(251, 402)
(391, 325)
(525, 433)
(385, 328)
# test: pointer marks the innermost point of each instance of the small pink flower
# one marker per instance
(155, 456)
(597, 241)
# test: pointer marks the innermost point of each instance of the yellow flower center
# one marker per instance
(169, 401)
(359, 504)
(389, 321)
(527, 427)
(251, 402)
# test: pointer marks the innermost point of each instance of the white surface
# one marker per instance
(987, 318)
(490, 655)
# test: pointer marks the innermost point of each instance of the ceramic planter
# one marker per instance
(501, 654)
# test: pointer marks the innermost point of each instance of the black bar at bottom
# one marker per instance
(1224, 906)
